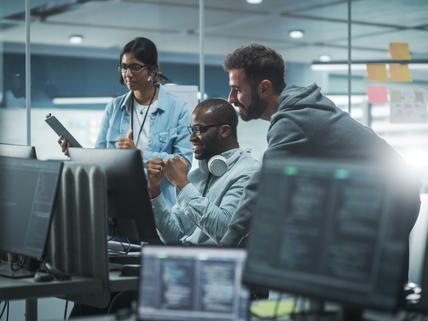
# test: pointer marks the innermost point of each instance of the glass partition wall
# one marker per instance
(73, 48)
(13, 114)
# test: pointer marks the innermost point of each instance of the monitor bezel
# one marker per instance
(137, 223)
(251, 280)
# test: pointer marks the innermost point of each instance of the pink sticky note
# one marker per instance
(377, 94)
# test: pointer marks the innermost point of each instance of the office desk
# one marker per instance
(122, 283)
(28, 290)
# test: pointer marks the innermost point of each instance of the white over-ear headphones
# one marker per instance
(218, 164)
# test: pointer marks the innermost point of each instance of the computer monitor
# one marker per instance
(330, 230)
(27, 196)
(129, 207)
(19, 151)
(192, 283)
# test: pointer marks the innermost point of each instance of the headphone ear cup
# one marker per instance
(217, 165)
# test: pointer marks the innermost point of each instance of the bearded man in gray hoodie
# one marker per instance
(303, 123)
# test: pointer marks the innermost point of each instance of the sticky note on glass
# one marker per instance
(395, 96)
(400, 73)
(377, 72)
(377, 94)
(399, 50)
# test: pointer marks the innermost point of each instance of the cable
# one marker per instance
(7, 313)
(278, 301)
(20, 262)
(111, 307)
(295, 303)
(65, 310)
(2, 311)
(275, 314)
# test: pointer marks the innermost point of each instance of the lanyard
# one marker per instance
(145, 116)
(206, 184)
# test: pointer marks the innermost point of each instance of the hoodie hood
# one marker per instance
(304, 99)
(294, 97)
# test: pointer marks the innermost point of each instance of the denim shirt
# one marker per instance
(199, 219)
(169, 134)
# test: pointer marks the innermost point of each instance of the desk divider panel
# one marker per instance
(78, 236)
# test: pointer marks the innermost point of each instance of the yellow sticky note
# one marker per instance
(400, 73)
(377, 72)
(268, 308)
(399, 50)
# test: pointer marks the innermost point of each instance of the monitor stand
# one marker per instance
(8, 270)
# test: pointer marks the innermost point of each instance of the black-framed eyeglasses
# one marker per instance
(122, 68)
(199, 129)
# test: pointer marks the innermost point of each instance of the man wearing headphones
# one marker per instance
(209, 195)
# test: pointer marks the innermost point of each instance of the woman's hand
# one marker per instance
(155, 174)
(63, 142)
(126, 142)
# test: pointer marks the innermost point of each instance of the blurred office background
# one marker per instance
(61, 58)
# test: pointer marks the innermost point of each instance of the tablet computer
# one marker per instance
(59, 128)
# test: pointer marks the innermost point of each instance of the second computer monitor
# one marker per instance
(330, 230)
(27, 197)
(129, 207)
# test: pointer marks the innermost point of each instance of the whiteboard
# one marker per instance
(188, 93)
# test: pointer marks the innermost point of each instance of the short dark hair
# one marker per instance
(144, 50)
(223, 112)
(259, 62)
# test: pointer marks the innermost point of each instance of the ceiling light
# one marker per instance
(81, 100)
(75, 39)
(254, 1)
(296, 34)
(360, 65)
(325, 58)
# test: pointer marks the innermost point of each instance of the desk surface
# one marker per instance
(122, 283)
(25, 288)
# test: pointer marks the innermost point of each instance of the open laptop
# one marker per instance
(192, 283)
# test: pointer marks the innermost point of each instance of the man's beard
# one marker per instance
(255, 109)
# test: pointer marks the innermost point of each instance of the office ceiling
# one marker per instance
(173, 25)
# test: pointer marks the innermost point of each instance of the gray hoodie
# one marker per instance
(307, 124)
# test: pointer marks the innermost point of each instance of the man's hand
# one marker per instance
(63, 142)
(126, 142)
(155, 174)
(176, 171)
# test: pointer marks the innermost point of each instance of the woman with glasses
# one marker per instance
(148, 117)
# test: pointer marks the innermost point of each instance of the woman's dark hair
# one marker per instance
(144, 50)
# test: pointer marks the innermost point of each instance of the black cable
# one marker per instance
(274, 316)
(113, 301)
(278, 301)
(65, 310)
(4, 308)
(7, 313)
(19, 264)
(295, 304)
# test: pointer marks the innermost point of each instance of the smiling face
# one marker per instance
(206, 143)
(243, 96)
(134, 80)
